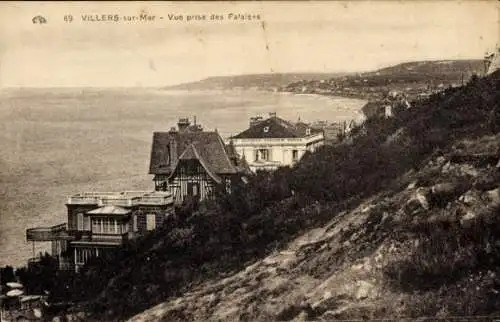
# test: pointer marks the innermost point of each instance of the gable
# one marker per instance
(191, 162)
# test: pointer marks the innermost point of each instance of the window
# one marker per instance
(262, 154)
(308, 131)
(150, 221)
(193, 188)
(295, 155)
(105, 226)
(96, 225)
(266, 129)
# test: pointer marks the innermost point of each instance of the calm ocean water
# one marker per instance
(58, 142)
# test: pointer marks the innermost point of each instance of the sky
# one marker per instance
(289, 37)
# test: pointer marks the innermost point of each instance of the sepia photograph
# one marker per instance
(250, 161)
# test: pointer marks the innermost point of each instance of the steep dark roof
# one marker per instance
(207, 146)
(241, 164)
(275, 127)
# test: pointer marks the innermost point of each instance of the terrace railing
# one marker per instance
(126, 199)
(46, 233)
(84, 236)
(111, 238)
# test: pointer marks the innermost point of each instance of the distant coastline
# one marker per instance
(408, 77)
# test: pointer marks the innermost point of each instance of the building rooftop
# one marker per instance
(169, 147)
(275, 127)
(109, 210)
(122, 198)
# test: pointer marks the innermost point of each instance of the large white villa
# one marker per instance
(273, 142)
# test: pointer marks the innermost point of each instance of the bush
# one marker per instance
(447, 253)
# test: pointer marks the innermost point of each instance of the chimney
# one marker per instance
(255, 120)
(231, 151)
(172, 147)
(183, 124)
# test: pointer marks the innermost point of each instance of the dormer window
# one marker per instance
(266, 129)
(308, 131)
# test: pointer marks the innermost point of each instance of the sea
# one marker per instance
(60, 141)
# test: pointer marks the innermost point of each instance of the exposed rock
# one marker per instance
(479, 160)
(494, 196)
(487, 182)
(327, 302)
(364, 290)
(440, 160)
(469, 198)
(412, 185)
(469, 170)
(443, 193)
(446, 168)
(467, 220)
(417, 202)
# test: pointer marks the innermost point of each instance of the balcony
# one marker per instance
(76, 235)
(56, 232)
(105, 239)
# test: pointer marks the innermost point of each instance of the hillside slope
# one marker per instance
(412, 78)
(425, 245)
(251, 81)
(401, 220)
(452, 69)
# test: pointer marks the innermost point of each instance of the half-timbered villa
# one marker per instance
(194, 163)
(273, 142)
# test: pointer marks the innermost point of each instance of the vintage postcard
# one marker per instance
(249, 161)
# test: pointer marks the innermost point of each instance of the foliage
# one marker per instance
(6, 275)
(39, 276)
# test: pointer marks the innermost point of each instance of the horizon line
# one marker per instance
(234, 75)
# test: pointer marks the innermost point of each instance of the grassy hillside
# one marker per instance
(252, 81)
(450, 68)
(420, 71)
(411, 78)
(400, 220)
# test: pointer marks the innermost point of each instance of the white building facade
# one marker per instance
(269, 144)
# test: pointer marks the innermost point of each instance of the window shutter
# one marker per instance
(79, 221)
(150, 221)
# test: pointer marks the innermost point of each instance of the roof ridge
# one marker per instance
(221, 142)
